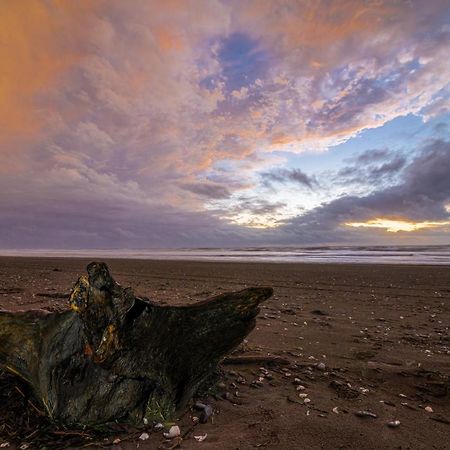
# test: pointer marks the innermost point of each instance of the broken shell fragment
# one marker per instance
(173, 432)
(201, 438)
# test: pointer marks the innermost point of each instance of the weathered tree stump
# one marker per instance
(115, 356)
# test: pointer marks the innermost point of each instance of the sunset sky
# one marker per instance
(138, 124)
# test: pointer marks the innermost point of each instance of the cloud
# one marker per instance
(294, 176)
(372, 168)
(109, 106)
(208, 190)
(421, 196)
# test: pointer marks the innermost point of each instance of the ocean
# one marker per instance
(434, 254)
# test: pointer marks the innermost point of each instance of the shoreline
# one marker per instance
(225, 260)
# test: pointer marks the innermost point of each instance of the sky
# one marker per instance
(206, 123)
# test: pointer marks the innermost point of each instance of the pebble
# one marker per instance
(321, 366)
(158, 426)
(365, 413)
(393, 423)
(307, 400)
(303, 395)
(144, 436)
(206, 414)
(227, 395)
(428, 409)
(116, 441)
(174, 431)
(300, 387)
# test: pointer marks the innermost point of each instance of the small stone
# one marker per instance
(321, 366)
(206, 414)
(174, 431)
(306, 401)
(336, 410)
(144, 436)
(158, 426)
(145, 420)
(428, 409)
(393, 423)
(227, 395)
(116, 441)
(366, 414)
(303, 395)
(221, 385)
(300, 387)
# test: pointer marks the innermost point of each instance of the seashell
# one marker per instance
(201, 438)
(173, 432)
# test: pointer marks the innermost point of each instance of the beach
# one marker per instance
(357, 337)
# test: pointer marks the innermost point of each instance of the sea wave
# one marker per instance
(411, 254)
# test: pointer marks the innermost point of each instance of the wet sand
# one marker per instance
(381, 331)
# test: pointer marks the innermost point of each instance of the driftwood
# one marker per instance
(117, 357)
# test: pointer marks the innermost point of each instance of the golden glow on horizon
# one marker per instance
(249, 221)
(394, 226)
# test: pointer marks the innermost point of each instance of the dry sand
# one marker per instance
(382, 332)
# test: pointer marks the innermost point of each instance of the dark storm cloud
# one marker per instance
(294, 176)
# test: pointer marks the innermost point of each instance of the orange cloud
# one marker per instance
(35, 50)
